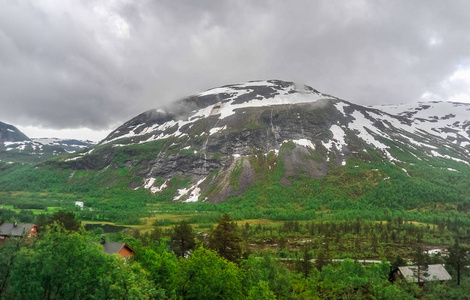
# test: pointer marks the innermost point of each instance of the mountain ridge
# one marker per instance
(15, 146)
(217, 138)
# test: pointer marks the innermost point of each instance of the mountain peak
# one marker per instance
(9, 133)
(220, 102)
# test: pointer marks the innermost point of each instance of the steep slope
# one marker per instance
(220, 142)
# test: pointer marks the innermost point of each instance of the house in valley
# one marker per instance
(16, 230)
(410, 274)
(121, 249)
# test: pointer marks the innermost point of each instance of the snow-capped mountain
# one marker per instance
(15, 146)
(221, 140)
(69, 145)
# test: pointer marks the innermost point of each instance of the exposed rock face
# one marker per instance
(227, 138)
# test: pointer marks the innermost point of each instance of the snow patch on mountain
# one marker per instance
(303, 142)
(337, 140)
(448, 120)
(193, 192)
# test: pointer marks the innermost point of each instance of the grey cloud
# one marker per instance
(83, 64)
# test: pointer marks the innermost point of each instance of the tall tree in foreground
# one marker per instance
(182, 238)
(458, 258)
(8, 252)
(225, 239)
(205, 275)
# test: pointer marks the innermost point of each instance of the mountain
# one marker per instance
(230, 140)
(448, 120)
(15, 146)
(11, 134)
(69, 145)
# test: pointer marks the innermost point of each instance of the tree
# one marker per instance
(458, 258)
(159, 263)
(305, 264)
(225, 239)
(398, 261)
(182, 238)
(421, 260)
(67, 265)
(8, 252)
(66, 220)
(261, 291)
(322, 259)
(205, 275)
(267, 269)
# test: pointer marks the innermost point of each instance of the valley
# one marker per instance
(303, 176)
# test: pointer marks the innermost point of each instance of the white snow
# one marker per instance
(149, 182)
(216, 129)
(194, 192)
(337, 140)
(340, 106)
(302, 142)
(73, 158)
(444, 119)
(226, 108)
(437, 154)
(360, 124)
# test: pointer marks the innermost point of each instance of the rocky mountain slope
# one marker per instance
(218, 143)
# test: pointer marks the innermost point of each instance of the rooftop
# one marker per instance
(18, 230)
(434, 272)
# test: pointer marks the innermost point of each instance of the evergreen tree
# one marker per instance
(182, 238)
(398, 262)
(421, 260)
(304, 265)
(66, 220)
(322, 259)
(458, 258)
(225, 239)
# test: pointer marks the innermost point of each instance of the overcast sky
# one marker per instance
(81, 68)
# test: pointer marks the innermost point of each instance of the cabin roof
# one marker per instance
(19, 230)
(434, 272)
(115, 247)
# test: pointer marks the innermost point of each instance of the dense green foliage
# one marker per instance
(424, 189)
(60, 264)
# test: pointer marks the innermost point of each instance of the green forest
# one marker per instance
(334, 237)
(287, 260)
